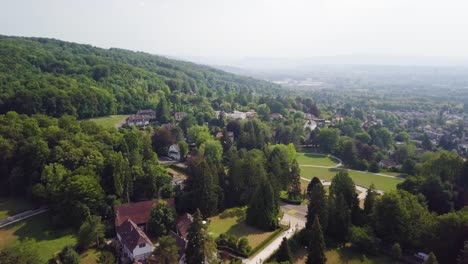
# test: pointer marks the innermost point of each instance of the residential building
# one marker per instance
(136, 246)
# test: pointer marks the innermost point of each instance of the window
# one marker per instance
(142, 245)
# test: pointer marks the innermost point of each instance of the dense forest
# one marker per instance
(54, 77)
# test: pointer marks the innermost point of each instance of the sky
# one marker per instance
(219, 29)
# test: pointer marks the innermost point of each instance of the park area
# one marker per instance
(110, 121)
(45, 238)
(232, 222)
(323, 167)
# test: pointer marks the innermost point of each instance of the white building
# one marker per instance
(174, 152)
(135, 244)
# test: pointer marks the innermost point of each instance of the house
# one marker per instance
(135, 244)
(174, 152)
(180, 235)
(276, 116)
(138, 121)
(178, 116)
(387, 163)
(138, 212)
(148, 113)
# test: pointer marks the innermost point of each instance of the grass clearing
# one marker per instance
(361, 178)
(315, 159)
(346, 255)
(12, 206)
(110, 121)
(48, 241)
(235, 225)
(90, 256)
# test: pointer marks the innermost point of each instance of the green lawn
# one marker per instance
(347, 255)
(47, 240)
(90, 256)
(236, 226)
(359, 177)
(313, 159)
(109, 121)
(12, 206)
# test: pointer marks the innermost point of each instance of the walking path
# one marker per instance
(295, 223)
(15, 218)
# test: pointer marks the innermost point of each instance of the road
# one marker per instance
(294, 216)
(19, 217)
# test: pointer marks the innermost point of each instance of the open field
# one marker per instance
(12, 206)
(236, 226)
(109, 121)
(361, 178)
(313, 159)
(346, 255)
(47, 240)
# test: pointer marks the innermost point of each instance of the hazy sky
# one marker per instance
(246, 28)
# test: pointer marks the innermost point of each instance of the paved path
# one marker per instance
(297, 222)
(19, 217)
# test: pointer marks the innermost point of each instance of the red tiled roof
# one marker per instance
(138, 212)
(183, 224)
(131, 235)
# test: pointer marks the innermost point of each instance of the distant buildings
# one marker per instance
(141, 119)
(236, 114)
(174, 152)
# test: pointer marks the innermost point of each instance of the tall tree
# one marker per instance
(294, 190)
(284, 252)
(263, 208)
(344, 186)
(162, 219)
(317, 207)
(203, 187)
(91, 232)
(200, 248)
(370, 200)
(316, 249)
(167, 251)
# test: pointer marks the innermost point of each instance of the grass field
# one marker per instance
(359, 177)
(90, 256)
(12, 206)
(236, 226)
(109, 121)
(47, 240)
(313, 159)
(346, 255)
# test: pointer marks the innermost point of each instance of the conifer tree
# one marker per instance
(294, 192)
(263, 208)
(200, 247)
(317, 206)
(284, 252)
(316, 254)
(431, 259)
(370, 200)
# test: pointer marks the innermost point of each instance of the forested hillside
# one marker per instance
(53, 77)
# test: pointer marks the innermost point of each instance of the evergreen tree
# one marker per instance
(167, 250)
(343, 185)
(317, 207)
(200, 247)
(339, 218)
(263, 208)
(284, 252)
(195, 253)
(162, 111)
(316, 249)
(90, 232)
(203, 187)
(463, 256)
(396, 251)
(294, 192)
(370, 200)
(431, 259)
(312, 183)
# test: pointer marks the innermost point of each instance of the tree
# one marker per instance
(183, 146)
(284, 252)
(396, 251)
(162, 219)
(200, 248)
(167, 251)
(316, 249)
(339, 218)
(25, 252)
(212, 151)
(294, 190)
(363, 239)
(328, 139)
(91, 232)
(162, 111)
(203, 188)
(463, 256)
(263, 208)
(106, 257)
(311, 184)
(68, 255)
(317, 207)
(370, 200)
(343, 185)
(431, 259)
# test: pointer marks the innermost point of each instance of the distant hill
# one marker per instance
(54, 77)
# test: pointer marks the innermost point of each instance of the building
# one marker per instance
(138, 121)
(178, 116)
(136, 246)
(138, 212)
(174, 152)
(180, 235)
(147, 113)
